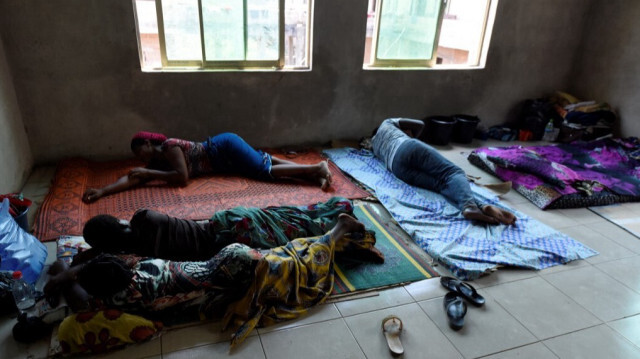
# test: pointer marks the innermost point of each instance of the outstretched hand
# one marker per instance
(92, 195)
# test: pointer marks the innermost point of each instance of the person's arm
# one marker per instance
(414, 127)
(122, 184)
(178, 175)
(63, 281)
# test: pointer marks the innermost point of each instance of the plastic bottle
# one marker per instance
(549, 133)
(22, 292)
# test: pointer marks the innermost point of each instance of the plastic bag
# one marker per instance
(19, 250)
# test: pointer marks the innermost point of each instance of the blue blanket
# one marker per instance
(467, 249)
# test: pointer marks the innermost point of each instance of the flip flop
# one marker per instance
(463, 289)
(456, 309)
(392, 327)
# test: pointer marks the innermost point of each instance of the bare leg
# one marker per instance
(317, 172)
(346, 224)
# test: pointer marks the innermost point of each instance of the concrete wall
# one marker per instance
(81, 91)
(608, 62)
(15, 155)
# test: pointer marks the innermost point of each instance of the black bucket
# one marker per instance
(438, 129)
(465, 128)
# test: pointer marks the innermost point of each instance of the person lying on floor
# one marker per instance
(263, 287)
(153, 234)
(418, 164)
(175, 161)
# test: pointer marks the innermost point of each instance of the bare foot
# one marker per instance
(474, 213)
(502, 216)
(346, 224)
(324, 176)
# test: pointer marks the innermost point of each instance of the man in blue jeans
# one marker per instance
(420, 165)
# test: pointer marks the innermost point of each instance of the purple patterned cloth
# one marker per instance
(568, 175)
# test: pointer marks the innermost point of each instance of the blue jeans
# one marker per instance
(229, 153)
(420, 165)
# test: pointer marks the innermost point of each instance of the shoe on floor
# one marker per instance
(456, 309)
(463, 289)
(392, 327)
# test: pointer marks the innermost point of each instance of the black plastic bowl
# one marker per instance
(465, 128)
(438, 129)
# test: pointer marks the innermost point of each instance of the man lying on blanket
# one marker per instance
(419, 164)
(265, 286)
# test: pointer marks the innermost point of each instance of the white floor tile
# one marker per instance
(320, 313)
(607, 248)
(541, 308)
(597, 343)
(10, 349)
(533, 351)
(386, 298)
(420, 337)
(626, 271)
(628, 328)
(617, 234)
(251, 348)
(426, 289)
(585, 286)
(192, 336)
(487, 330)
(331, 339)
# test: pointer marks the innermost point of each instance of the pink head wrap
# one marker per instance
(151, 136)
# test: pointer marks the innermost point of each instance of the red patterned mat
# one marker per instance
(64, 213)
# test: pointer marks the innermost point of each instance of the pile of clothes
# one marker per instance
(560, 117)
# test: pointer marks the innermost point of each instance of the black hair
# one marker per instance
(375, 130)
(104, 232)
(105, 275)
(137, 142)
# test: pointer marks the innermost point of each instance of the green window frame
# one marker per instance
(406, 22)
(406, 34)
(189, 37)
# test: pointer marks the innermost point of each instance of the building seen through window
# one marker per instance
(223, 33)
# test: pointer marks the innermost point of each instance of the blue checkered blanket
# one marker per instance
(467, 249)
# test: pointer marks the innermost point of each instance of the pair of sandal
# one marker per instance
(454, 302)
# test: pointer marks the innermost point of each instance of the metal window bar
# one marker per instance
(377, 62)
(204, 63)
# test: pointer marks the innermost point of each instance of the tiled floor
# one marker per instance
(585, 309)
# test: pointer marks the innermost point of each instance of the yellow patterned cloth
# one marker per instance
(288, 280)
(101, 331)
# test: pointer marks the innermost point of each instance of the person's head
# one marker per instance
(143, 144)
(108, 233)
(104, 276)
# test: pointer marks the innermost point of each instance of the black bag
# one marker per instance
(536, 114)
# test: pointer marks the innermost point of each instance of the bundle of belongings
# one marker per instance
(563, 118)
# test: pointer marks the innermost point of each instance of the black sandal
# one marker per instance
(463, 289)
(456, 309)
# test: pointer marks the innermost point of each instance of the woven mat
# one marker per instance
(64, 213)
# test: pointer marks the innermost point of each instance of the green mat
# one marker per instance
(402, 263)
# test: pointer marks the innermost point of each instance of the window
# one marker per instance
(428, 33)
(223, 34)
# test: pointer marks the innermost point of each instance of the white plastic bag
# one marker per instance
(19, 250)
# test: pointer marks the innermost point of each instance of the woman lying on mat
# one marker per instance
(419, 164)
(175, 161)
(275, 285)
(154, 234)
